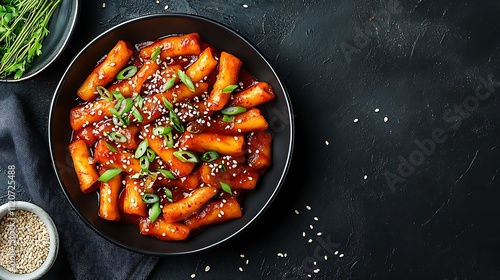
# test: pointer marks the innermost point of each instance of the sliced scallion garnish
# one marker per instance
(168, 194)
(233, 110)
(169, 140)
(176, 123)
(155, 55)
(167, 173)
(137, 115)
(210, 156)
(111, 148)
(141, 148)
(167, 104)
(144, 163)
(168, 84)
(227, 118)
(139, 101)
(186, 156)
(154, 212)
(185, 79)
(104, 93)
(161, 130)
(109, 174)
(117, 137)
(150, 154)
(118, 95)
(119, 121)
(222, 168)
(150, 198)
(229, 88)
(226, 188)
(126, 72)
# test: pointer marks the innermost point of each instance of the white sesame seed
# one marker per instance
(242, 256)
(365, 177)
(327, 143)
(319, 233)
(311, 227)
(336, 253)
(296, 211)
(386, 119)
(245, 6)
(308, 207)
(356, 120)
(193, 275)
(207, 268)
(241, 268)
(341, 255)
(310, 241)
(377, 110)
(303, 234)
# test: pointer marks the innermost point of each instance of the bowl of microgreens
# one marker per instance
(33, 34)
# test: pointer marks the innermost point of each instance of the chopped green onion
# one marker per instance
(109, 174)
(161, 130)
(104, 93)
(119, 121)
(154, 212)
(227, 118)
(167, 104)
(176, 122)
(137, 115)
(139, 101)
(156, 54)
(186, 156)
(194, 128)
(167, 173)
(118, 96)
(168, 194)
(126, 72)
(144, 163)
(150, 198)
(114, 112)
(141, 148)
(210, 156)
(233, 110)
(185, 79)
(222, 168)
(150, 154)
(226, 188)
(124, 106)
(169, 140)
(138, 175)
(118, 137)
(168, 84)
(229, 88)
(111, 148)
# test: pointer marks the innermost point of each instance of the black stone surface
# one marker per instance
(412, 196)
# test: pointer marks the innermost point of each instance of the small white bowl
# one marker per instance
(53, 235)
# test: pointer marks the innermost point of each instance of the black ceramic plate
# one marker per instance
(278, 111)
(61, 26)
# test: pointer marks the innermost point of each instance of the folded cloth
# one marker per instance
(89, 255)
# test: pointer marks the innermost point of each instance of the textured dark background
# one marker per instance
(419, 63)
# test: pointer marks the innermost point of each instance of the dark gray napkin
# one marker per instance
(89, 255)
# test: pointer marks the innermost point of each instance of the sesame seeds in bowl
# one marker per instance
(29, 241)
